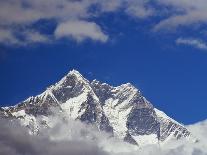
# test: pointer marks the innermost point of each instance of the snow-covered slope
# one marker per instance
(121, 111)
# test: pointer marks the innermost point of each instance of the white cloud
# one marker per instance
(35, 37)
(25, 12)
(80, 30)
(139, 9)
(20, 14)
(199, 129)
(192, 42)
(110, 5)
(67, 136)
(7, 37)
(183, 13)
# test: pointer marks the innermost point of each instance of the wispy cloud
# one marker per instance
(182, 13)
(7, 37)
(196, 43)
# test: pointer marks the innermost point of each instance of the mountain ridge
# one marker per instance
(122, 111)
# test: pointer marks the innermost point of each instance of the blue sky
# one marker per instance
(159, 47)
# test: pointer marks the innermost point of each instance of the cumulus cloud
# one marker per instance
(15, 140)
(68, 137)
(199, 130)
(192, 42)
(80, 30)
(64, 137)
(18, 15)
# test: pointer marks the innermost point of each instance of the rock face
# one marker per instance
(122, 110)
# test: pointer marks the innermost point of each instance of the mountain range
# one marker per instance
(121, 111)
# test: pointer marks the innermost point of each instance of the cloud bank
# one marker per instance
(68, 137)
(14, 140)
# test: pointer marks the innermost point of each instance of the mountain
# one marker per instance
(122, 111)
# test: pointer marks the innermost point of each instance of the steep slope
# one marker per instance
(121, 111)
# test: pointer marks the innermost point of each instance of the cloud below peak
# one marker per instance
(68, 137)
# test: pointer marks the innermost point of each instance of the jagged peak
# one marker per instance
(119, 105)
(160, 113)
(77, 75)
(126, 86)
(74, 72)
(4, 108)
(96, 82)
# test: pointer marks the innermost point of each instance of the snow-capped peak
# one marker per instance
(121, 110)
(75, 73)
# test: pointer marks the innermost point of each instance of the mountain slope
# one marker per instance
(121, 111)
